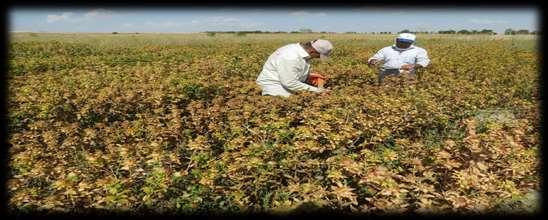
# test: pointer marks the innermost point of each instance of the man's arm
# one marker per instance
(288, 73)
(421, 62)
(376, 58)
(422, 59)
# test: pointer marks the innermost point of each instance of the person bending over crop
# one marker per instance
(402, 57)
(287, 70)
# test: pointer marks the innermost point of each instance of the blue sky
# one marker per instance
(181, 20)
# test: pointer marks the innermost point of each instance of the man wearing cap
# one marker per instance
(402, 57)
(287, 69)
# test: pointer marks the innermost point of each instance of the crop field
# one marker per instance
(175, 123)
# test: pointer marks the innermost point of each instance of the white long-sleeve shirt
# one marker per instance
(394, 57)
(285, 72)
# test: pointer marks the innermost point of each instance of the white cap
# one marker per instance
(406, 37)
(323, 47)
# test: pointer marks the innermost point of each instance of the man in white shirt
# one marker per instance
(287, 69)
(402, 57)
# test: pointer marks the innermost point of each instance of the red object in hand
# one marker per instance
(317, 79)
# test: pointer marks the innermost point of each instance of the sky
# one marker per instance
(186, 20)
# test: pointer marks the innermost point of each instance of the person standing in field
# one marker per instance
(402, 57)
(287, 70)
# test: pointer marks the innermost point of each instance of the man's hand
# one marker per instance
(316, 75)
(372, 62)
(407, 67)
(316, 79)
(325, 92)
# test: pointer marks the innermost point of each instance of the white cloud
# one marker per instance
(170, 24)
(98, 13)
(219, 19)
(306, 13)
(214, 23)
(224, 22)
(422, 26)
(395, 12)
(486, 21)
(72, 18)
(61, 17)
(163, 24)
